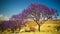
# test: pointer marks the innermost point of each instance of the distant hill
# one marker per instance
(3, 18)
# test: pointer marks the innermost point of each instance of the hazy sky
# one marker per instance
(11, 7)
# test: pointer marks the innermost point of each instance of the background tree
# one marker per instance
(12, 24)
(18, 21)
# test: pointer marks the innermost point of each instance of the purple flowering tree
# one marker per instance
(18, 21)
(36, 12)
(12, 24)
(39, 11)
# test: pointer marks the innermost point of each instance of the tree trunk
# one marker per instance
(39, 28)
(38, 25)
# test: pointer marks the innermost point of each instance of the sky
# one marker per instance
(12, 7)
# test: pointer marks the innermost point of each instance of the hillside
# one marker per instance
(46, 25)
(50, 25)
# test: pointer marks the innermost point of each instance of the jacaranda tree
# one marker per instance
(39, 11)
(36, 12)
(18, 21)
(12, 24)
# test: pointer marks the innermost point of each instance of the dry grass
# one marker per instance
(32, 33)
(47, 27)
